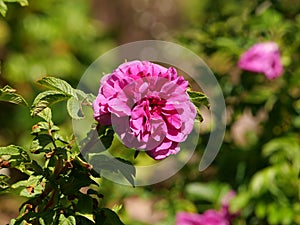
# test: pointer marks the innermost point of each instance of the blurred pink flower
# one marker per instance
(225, 206)
(148, 106)
(209, 217)
(262, 58)
(183, 218)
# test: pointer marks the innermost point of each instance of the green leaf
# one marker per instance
(127, 169)
(45, 99)
(74, 108)
(75, 180)
(85, 204)
(114, 165)
(40, 142)
(91, 142)
(15, 157)
(107, 217)
(11, 150)
(46, 114)
(47, 217)
(70, 220)
(4, 182)
(202, 191)
(239, 202)
(29, 188)
(83, 220)
(263, 180)
(13, 221)
(3, 7)
(7, 94)
(57, 85)
(106, 135)
(198, 98)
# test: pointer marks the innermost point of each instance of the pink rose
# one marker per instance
(209, 217)
(213, 217)
(183, 218)
(148, 106)
(225, 206)
(262, 58)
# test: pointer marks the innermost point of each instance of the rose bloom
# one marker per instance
(262, 58)
(209, 217)
(148, 106)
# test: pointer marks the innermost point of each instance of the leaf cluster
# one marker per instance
(60, 187)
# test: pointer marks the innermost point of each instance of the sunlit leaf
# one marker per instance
(45, 99)
(3, 7)
(46, 114)
(11, 150)
(58, 85)
(70, 220)
(7, 94)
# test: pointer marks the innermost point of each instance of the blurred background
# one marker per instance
(260, 155)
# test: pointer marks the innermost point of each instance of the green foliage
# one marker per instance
(261, 158)
(3, 6)
(61, 91)
(42, 40)
(60, 188)
(199, 99)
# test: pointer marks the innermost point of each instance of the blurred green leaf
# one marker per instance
(282, 148)
(263, 180)
(239, 202)
(7, 94)
(202, 191)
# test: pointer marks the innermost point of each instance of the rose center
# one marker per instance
(143, 112)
